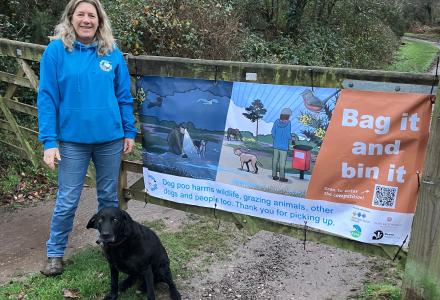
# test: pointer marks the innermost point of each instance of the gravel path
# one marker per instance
(266, 266)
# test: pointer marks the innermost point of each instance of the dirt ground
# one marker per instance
(266, 266)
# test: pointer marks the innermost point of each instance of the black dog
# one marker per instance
(133, 249)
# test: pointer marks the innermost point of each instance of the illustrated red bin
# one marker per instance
(301, 158)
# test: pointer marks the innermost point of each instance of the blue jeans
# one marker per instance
(72, 169)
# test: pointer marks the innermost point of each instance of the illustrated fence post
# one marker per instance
(422, 271)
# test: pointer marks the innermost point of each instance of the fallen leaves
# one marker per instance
(21, 296)
(71, 293)
(30, 188)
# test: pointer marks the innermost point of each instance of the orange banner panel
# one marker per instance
(373, 151)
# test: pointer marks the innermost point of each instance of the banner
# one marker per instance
(375, 146)
(251, 148)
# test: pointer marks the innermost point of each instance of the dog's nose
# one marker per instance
(105, 236)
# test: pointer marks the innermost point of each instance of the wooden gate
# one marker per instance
(422, 279)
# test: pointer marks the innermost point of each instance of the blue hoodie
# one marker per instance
(83, 97)
(281, 135)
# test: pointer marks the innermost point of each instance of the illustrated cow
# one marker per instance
(234, 133)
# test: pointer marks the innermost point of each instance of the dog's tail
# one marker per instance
(259, 163)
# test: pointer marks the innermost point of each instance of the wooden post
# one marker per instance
(422, 271)
(122, 184)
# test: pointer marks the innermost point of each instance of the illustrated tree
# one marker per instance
(254, 112)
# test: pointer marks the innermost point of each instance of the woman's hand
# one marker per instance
(49, 157)
(128, 145)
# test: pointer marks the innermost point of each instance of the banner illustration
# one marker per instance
(253, 148)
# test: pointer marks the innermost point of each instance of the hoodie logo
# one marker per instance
(105, 65)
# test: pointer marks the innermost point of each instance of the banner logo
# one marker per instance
(356, 232)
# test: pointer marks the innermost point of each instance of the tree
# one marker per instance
(30, 21)
(255, 112)
(294, 15)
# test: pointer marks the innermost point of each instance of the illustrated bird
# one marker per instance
(207, 102)
(313, 103)
(157, 102)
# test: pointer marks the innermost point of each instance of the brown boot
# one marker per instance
(54, 266)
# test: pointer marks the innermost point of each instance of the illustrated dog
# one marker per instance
(133, 249)
(200, 146)
(248, 158)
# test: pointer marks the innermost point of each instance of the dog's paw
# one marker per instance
(128, 282)
(110, 297)
(123, 286)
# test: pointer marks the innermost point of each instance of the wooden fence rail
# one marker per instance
(424, 252)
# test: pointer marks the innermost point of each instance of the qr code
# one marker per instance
(385, 196)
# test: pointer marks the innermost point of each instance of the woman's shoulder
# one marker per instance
(55, 46)
(55, 43)
(53, 49)
(115, 50)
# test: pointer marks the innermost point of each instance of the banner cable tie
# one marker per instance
(215, 75)
(436, 68)
(418, 180)
(146, 199)
(311, 79)
(215, 216)
(436, 77)
(400, 248)
(305, 234)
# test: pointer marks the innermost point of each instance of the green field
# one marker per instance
(414, 56)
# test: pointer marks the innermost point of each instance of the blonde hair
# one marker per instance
(65, 31)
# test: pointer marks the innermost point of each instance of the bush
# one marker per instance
(192, 29)
(29, 21)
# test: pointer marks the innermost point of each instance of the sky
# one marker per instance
(202, 102)
(206, 103)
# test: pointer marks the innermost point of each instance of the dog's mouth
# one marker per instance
(106, 240)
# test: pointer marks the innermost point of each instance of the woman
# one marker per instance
(85, 111)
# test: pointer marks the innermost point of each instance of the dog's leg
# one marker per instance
(256, 168)
(148, 281)
(247, 165)
(128, 282)
(114, 274)
(166, 276)
(174, 293)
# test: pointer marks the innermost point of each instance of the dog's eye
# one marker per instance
(114, 220)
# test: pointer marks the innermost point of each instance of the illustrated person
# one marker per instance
(281, 137)
(85, 112)
(175, 140)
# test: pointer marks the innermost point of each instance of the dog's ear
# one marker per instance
(92, 222)
(128, 223)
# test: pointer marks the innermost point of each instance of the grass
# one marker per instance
(87, 272)
(414, 56)
(385, 284)
(379, 291)
(76, 277)
(9, 183)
